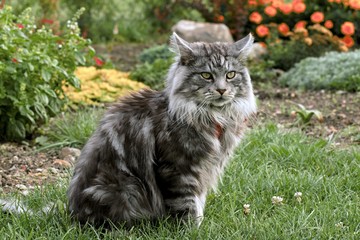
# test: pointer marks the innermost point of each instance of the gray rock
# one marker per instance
(257, 52)
(202, 32)
(212, 32)
(67, 151)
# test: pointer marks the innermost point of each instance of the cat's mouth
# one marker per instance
(220, 102)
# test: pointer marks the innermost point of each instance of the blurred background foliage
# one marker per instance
(288, 33)
(114, 20)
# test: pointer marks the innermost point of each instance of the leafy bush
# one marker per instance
(335, 71)
(157, 52)
(114, 20)
(100, 85)
(155, 65)
(261, 71)
(302, 43)
(34, 65)
(152, 74)
(341, 17)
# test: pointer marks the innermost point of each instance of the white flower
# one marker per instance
(276, 200)
(246, 209)
(298, 194)
(246, 206)
(339, 225)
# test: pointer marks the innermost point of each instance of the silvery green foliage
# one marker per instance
(158, 153)
(335, 71)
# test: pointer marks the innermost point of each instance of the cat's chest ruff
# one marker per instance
(219, 130)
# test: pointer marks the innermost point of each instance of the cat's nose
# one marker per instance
(221, 91)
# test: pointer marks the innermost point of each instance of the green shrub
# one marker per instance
(155, 65)
(261, 71)
(152, 74)
(34, 65)
(334, 71)
(157, 52)
(312, 42)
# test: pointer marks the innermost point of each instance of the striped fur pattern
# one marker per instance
(159, 153)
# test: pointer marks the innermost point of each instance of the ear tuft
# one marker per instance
(242, 48)
(179, 45)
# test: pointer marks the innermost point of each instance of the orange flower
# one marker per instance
(277, 3)
(317, 17)
(286, 8)
(255, 17)
(252, 3)
(284, 29)
(300, 24)
(354, 4)
(299, 7)
(345, 2)
(308, 41)
(263, 2)
(263, 44)
(301, 31)
(270, 11)
(262, 30)
(348, 28)
(219, 18)
(329, 24)
(349, 41)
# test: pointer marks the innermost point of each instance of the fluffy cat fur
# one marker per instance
(159, 153)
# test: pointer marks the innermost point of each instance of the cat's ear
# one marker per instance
(179, 46)
(242, 48)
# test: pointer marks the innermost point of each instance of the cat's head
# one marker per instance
(210, 75)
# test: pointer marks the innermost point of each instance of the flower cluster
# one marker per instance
(341, 17)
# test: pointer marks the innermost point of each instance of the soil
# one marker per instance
(21, 168)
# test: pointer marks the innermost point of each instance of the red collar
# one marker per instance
(218, 130)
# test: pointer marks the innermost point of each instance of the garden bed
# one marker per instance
(21, 168)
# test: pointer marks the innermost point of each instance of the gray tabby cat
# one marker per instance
(159, 153)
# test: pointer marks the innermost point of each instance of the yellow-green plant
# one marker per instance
(100, 86)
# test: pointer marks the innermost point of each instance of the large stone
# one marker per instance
(202, 32)
(257, 52)
(68, 151)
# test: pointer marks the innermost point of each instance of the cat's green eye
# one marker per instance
(206, 75)
(230, 75)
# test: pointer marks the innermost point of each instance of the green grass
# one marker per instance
(70, 129)
(270, 162)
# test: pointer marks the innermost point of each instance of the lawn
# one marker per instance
(269, 162)
(296, 174)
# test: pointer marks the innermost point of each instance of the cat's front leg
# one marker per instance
(187, 208)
